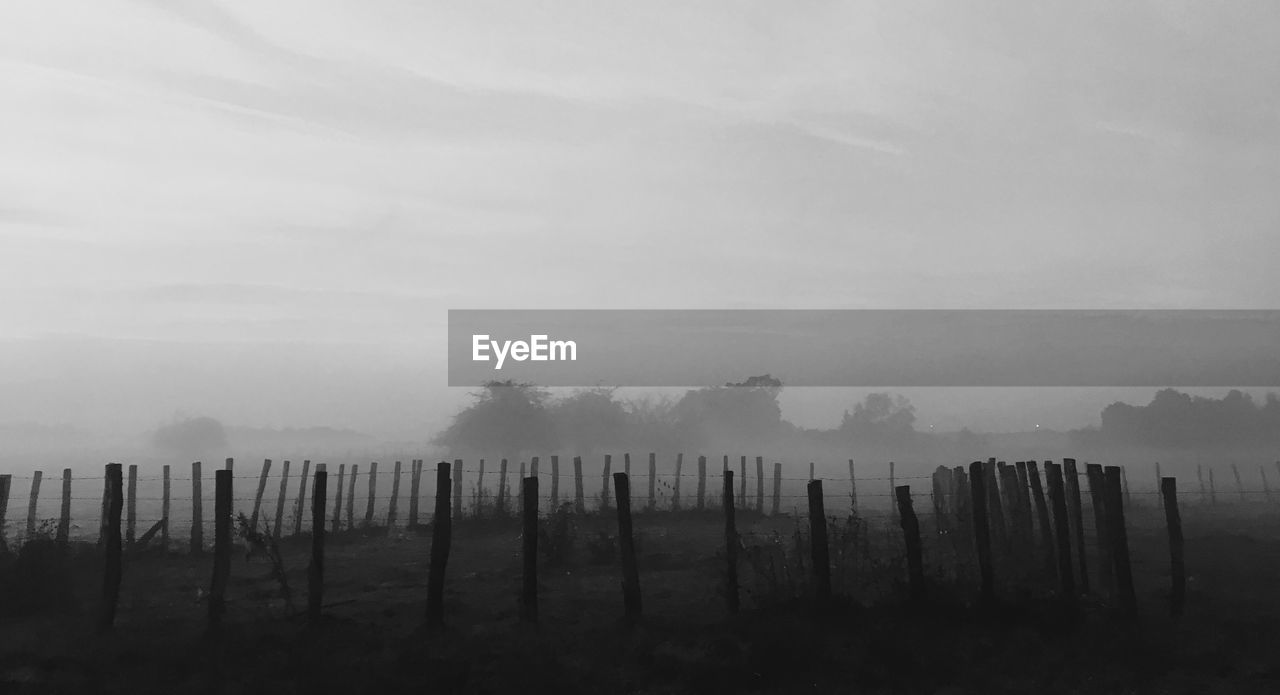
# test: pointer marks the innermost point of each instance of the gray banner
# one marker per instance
(866, 348)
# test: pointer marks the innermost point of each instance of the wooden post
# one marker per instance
(280, 500)
(608, 475)
(64, 514)
(395, 495)
(301, 509)
(777, 488)
(702, 482)
(653, 482)
(1076, 509)
(1158, 485)
(131, 506)
(262, 488)
(893, 509)
(336, 524)
(373, 485)
(1177, 568)
(911, 533)
(197, 511)
(1098, 496)
(1213, 492)
(1042, 516)
(626, 464)
(853, 489)
(221, 547)
(415, 486)
(34, 499)
(962, 504)
(478, 504)
(533, 466)
(760, 484)
(6, 484)
(731, 543)
(1024, 497)
(164, 504)
(675, 491)
(1062, 527)
(500, 499)
(1235, 470)
(351, 496)
(441, 538)
(529, 586)
(1009, 480)
(111, 567)
(555, 481)
(229, 465)
(457, 485)
(315, 571)
(1124, 479)
(995, 509)
(626, 543)
(818, 551)
(579, 497)
(1204, 493)
(811, 471)
(1119, 541)
(521, 496)
(981, 530)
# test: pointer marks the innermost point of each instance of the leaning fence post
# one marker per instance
(1204, 493)
(197, 511)
(415, 485)
(777, 488)
(64, 514)
(315, 571)
(1097, 496)
(607, 476)
(818, 551)
(111, 568)
(31, 505)
(441, 538)
(730, 543)
(351, 496)
(337, 499)
(301, 509)
(262, 488)
(1120, 541)
(760, 484)
(1177, 568)
(1072, 479)
(373, 485)
(6, 483)
(280, 500)
(1235, 470)
(626, 544)
(395, 496)
(911, 533)
(981, 530)
(702, 482)
(221, 547)
(1062, 527)
(1042, 516)
(529, 557)
(579, 496)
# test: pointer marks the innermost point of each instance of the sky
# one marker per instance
(263, 209)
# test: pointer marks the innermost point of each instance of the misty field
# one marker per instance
(872, 636)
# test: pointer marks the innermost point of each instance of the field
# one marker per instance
(872, 638)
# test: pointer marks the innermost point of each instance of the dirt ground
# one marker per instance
(870, 640)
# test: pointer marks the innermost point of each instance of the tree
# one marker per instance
(191, 437)
(506, 418)
(745, 413)
(880, 419)
(590, 420)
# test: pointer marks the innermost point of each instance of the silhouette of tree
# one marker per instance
(880, 418)
(590, 420)
(506, 418)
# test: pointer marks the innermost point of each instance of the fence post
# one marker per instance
(1072, 476)
(131, 506)
(1266, 486)
(1097, 497)
(457, 485)
(1177, 568)
(1017, 532)
(336, 525)
(742, 482)
(995, 507)
(164, 505)
(811, 471)
(441, 537)
(1213, 491)
(529, 585)
(818, 550)
(1062, 527)
(197, 511)
(579, 496)
(1158, 484)
(301, 509)
(351, 496)
(500, 498)
(31, 505)
(315, 571)
(626, 464)
(731, 542)
(1119, 541)
(1235, 470)
(608, 475)
(395, 495)
(262, 488)
(760, 484)
(221, 546)
(555, 481)
(675, 491)
(653, 482)
(111, 568)
(533, 465)
(64, 514)
(981, 530)
(6, 483)
(911, 533)
(281, 497)
(1204, 493)
(1124, 480)
(1042, 516)
(702, 482)
(626, 544)
(853, 489)
(373, 486)
(777, 488)
(521, 495)
(415, 486)
(478, 504)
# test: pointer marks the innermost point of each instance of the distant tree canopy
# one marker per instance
(506, 417)
(193, 437)
(880, 419)
(1176, 419)
(590, 420)
(747, 411)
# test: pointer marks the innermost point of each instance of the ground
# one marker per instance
(870, 639)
